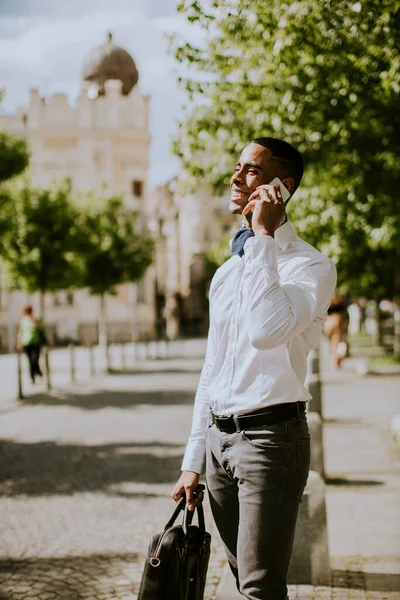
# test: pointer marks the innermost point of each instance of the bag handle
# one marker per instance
(179, 506)
(188, 514)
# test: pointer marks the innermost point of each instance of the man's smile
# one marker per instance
(237, 194)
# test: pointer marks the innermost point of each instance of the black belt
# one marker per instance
(270, 416)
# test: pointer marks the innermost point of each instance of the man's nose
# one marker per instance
(238, 176)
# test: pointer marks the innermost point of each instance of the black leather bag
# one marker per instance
(177, 559)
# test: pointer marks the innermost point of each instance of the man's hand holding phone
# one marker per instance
(267, 205)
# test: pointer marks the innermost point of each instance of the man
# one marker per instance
(267, 306)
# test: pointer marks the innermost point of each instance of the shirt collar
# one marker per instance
(283, 235)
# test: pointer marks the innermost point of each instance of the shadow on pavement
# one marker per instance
(94, 400)
(49, 468)
(345, 421)
(103, 576)
(166, 371)
(359, 580)
(339, 481)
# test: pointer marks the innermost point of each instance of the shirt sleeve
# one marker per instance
(194, 458)
(277, 313)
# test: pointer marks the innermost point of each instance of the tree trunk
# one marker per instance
(11, 323)
(375, 321)
(42, 305)
(103, 338)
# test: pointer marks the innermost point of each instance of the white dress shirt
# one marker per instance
(266, 314)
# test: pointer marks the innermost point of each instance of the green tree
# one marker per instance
(113, 251)
(324, 75)
(14, 156)
(39, 245)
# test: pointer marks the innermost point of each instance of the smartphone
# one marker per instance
(284, 191)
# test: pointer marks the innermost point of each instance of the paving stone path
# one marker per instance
(86, 473)
(85, 480)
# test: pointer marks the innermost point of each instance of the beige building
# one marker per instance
(99, 142)
(102, 140)
(186, 225)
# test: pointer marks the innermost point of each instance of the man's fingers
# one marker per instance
(177, 493)
(278, 193)
(248, 207)
(189, 494)
(269, 193)
(266, 195)
(254, 195)
(189, 498)
(199, 498)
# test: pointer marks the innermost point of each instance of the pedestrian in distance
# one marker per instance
(31, 337)
(268, 303)
(336, 327)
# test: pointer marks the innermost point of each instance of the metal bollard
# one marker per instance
(92, 361)
(19, 367)
(108, 358)
(47, 363)
(72, 362)
(314, 382)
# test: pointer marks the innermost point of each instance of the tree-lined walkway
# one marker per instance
(86, 476)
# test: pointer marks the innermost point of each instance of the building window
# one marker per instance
(63, 298)
(137, 188)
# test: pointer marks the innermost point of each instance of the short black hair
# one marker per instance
(286, 153)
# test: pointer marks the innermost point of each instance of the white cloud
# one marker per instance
(46, 50)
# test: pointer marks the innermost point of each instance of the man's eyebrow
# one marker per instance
(251, 164)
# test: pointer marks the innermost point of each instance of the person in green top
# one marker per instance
(30, 340)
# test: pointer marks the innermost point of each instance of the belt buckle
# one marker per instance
(225, 420)
(234, 419)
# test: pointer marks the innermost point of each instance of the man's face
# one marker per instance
(254, 168)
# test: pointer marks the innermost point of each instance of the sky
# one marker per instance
(43, 44)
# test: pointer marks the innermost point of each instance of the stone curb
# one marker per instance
(395, 428)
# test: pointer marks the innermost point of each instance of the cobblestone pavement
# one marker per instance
(85, 481)
(86, 474)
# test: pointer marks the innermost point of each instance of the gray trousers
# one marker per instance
(255, 480)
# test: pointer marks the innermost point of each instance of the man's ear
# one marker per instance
(288, 182)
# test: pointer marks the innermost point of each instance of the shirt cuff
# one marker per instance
(195, 457)
(260, 251)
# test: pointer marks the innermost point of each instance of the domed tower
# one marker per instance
(109, 61)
